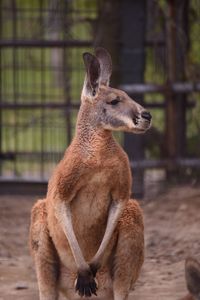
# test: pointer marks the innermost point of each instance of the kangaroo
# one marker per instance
(87, 236)
(192, 276)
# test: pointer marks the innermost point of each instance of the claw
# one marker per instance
(85, 284)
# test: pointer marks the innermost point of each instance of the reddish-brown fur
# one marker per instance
(87, 234)
(192, 276)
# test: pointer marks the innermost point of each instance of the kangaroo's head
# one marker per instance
(112, 109)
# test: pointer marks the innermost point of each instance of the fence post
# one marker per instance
(106, 33)
(175, 106)
(182, 45)
(171, 70)
(1, 128)
(133, 21)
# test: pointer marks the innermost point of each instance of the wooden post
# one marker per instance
(133, 20)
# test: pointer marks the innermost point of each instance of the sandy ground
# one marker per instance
(172, 226)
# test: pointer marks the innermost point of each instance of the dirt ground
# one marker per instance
(172, 226)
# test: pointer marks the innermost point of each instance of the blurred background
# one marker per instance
(155, 47)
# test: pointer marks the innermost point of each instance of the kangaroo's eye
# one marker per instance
(114, 102)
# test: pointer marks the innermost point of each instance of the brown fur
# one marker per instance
(87, 230)
(192, 276)
(188, 297)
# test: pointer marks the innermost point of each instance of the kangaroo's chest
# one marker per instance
(92, 200)
(90, 212)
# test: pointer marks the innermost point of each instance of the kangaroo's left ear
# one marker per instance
(105, 64)
(91, 84)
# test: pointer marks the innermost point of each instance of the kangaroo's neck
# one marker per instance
(89, 135)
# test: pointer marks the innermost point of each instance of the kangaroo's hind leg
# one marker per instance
(44, 253)
(129, 253)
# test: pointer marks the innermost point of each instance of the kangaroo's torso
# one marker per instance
(90, 204)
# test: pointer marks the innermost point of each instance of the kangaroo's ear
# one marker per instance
(91, 84)
(105, 64)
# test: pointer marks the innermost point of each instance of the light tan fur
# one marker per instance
(192, 276)
(86, 237)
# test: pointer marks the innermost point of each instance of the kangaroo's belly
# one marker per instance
(89, 209)
(89, 214)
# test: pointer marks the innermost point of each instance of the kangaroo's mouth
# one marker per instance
(141, 127)
(138, 130)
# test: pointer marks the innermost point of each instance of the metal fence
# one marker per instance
(41, 76)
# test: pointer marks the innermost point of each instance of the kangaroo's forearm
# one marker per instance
(63, 214)
(115, 212)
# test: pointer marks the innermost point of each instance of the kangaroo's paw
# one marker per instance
(94, 267)
(86, 284)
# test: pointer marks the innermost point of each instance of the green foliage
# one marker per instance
(41, 75)
(193, 73)
(156, 73)
(38, 77)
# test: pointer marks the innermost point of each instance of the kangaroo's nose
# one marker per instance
(146, 115)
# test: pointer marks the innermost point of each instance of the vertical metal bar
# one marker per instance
(15, 82)
(171, 100)
(67, 96)
(107, 33)
(182, 46)
(66, 74)
(42, 70)
(1, 109)
(132, 70)
(175, 104)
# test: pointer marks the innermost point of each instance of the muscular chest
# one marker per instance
(91, 203)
